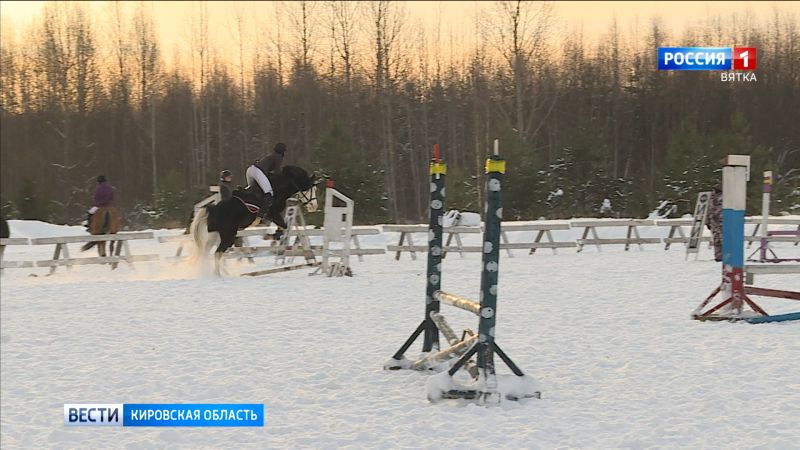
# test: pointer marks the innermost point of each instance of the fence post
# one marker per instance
(765, 215)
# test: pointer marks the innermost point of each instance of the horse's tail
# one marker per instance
(104, 228)
(199, 232)
(88, 245)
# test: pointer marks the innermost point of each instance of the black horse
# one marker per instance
(238, 212)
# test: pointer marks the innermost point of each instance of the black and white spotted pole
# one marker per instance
(495, 168)
(486, 347)
(434, 280)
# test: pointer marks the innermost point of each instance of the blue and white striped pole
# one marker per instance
(735, 175)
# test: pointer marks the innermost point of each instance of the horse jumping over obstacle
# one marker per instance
(484, 386)
(735, 293)
(220, 222)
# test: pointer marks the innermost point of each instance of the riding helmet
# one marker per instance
(280, 147)
(101, 179)
(224, 174)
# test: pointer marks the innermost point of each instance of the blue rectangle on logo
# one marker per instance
(193, 415)
(695, 58)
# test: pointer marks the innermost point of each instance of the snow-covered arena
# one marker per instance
(606, 334)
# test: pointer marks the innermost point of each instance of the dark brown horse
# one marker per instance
(105, 221)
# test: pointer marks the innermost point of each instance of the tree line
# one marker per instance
(360, 93)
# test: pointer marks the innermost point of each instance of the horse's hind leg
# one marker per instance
(112, 247)
(227, 237)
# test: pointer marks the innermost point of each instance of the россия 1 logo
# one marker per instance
(724, 59)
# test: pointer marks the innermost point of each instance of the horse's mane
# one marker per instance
(289, 177)
(300, 178)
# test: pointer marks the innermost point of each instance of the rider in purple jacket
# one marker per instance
(103, 196)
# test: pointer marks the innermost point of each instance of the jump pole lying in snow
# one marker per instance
(484, 387)
(735, 174)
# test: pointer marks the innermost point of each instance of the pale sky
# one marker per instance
(456, 17)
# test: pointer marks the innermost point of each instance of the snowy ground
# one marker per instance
(606, 334)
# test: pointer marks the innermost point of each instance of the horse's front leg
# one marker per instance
(276, 216)
(218, 261)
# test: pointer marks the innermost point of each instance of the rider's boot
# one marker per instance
(266, 202)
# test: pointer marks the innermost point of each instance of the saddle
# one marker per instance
(251, 197)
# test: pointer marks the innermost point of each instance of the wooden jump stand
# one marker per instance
(338, 226)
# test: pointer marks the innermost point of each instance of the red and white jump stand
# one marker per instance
(735, 298)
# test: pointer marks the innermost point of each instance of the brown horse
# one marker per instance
(105, 221)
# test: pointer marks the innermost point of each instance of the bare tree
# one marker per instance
(147, 77)
(121, 84)
(344, 35)
(66, 57)
(387, 23)
(301, 19)
(201, 160)
(9, 75)
(518, 30)
(239, 26)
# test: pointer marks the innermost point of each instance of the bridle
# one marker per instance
(301, 195)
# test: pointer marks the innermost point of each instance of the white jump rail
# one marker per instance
(407, 232)
(356, 249)
(122, 253)
(772, 220)
(256, 251)
(676, 226)
(13, 264)
(183, 239)
(751, 270)
(632, 237)
(544, 231)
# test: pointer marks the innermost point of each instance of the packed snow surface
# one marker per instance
(605, 334)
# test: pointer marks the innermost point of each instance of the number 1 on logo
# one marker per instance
(744, 58)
